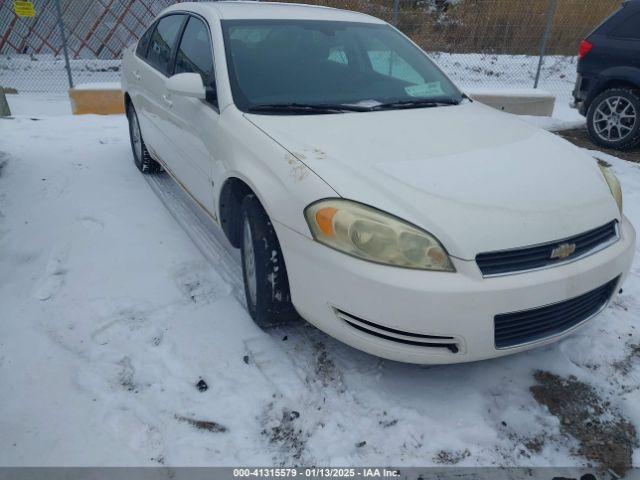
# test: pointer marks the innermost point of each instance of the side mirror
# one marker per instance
(187, 85)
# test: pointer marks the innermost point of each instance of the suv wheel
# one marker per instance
(141, 156)
(266, 284)
(613, 119)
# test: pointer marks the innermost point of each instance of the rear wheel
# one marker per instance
(141, 156)
(266, 284)
(613, 119)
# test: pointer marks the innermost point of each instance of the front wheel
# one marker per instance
(266, 284)
(613, 119)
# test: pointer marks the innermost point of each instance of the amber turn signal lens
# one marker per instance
(324, 218)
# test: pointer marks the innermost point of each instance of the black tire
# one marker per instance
(141, 156)
(597, 123)
(270, 303)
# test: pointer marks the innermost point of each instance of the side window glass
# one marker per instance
(162, 42)
(194, 53)
(143, 43)
(630, 28)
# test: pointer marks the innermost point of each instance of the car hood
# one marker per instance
(478, 179)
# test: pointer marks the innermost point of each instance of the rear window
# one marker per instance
(143, 43)
(629, 28)
(616, 23)
(605, 24)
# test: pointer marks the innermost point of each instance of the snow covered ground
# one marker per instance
(117, 298)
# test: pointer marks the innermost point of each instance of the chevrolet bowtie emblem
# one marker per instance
(563, 250)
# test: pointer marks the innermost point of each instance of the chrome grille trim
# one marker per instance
(496, 263)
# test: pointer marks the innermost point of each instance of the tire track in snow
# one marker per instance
(54, 277)
(268, 355)
(201, 230)
(269, 358)
(297, 383)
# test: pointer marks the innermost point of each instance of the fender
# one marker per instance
(626, 74)
(282, 182)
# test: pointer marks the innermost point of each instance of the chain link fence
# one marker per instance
(96, 31)
(479, 43)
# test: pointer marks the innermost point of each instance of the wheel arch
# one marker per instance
(232, 192)
(618, 77)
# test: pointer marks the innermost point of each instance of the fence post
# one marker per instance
(64, 43)
(396, 9)
(551, 11)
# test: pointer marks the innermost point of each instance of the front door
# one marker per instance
(194, 123)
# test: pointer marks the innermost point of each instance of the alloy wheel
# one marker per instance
(614, 119)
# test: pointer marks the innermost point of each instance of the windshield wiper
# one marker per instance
(302, 108)
(323, 108)
(418, 103)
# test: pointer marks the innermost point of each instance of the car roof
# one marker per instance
(254, 10)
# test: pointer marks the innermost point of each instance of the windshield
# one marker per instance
(310, 65)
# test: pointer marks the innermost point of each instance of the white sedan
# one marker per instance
(366, 192)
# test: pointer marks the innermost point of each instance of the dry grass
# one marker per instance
(489, 26)
(575, 19)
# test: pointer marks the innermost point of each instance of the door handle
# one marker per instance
(137, 75)
(167, 100)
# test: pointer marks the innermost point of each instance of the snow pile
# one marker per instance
(111, 317)
(483, 70)
(98, 86)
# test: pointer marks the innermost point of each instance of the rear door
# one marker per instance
(133, 63)
(151, 76)
(193, 123)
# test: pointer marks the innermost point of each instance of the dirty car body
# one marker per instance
(414, 224)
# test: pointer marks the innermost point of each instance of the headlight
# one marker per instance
(614, 184)
(370, 234)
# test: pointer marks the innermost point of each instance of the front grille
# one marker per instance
(391, 334)
(530, 258)
(526, 326)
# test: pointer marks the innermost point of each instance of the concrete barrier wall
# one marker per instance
(107, 99)
(516, 101)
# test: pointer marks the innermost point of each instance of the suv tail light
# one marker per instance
(585, 47)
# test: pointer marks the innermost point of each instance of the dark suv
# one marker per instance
(608, 86)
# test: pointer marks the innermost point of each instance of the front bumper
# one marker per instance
(326, 284)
